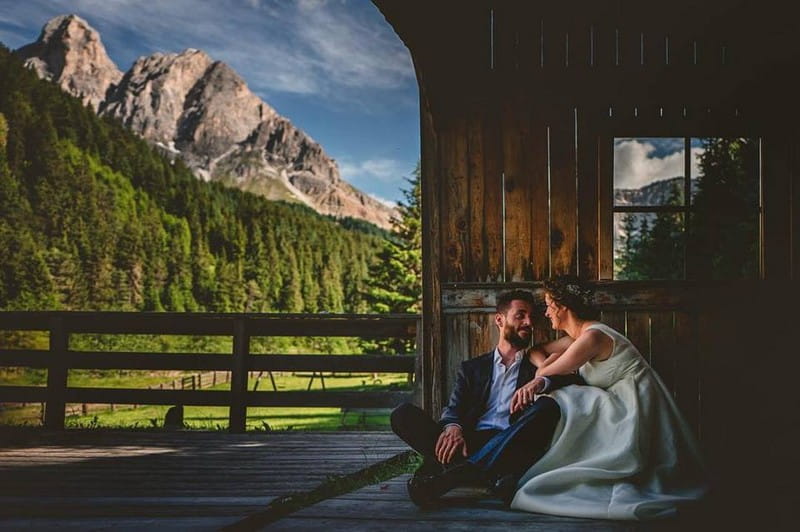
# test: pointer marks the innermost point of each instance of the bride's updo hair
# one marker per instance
(569, 291)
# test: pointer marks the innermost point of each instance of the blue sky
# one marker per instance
(335, 68)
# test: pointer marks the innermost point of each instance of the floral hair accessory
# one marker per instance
(584, 294)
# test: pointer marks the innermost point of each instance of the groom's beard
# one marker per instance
(512, 336)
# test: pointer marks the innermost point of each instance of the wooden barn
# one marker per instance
(522, 104)
(525, 107)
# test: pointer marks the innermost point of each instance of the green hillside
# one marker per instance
(92, 218)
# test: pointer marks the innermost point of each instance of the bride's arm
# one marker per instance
(588, 345)
(540, 355)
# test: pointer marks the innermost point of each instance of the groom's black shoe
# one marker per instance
(425, 490)
(505, 487)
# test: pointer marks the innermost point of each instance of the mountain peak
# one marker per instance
(201, 110)
(70, 53)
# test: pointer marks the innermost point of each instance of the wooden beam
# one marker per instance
(609, 295)
(241, 355)
(215, 324)
(563, 194)
(588, 196)
(776, 183)
(431, 348)
(338, 363)
(56, 375)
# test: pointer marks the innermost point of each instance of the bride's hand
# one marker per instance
(524, 396)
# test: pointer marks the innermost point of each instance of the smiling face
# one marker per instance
(515, 324)
(554, 312)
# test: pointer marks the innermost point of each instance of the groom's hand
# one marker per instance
(524, 396)
(450, 441)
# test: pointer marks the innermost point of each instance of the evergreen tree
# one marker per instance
(722, 240)
(91, 217)
(724, 229)
(395, 280)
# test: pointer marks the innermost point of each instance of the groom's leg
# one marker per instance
(418, 430)
(518, 447)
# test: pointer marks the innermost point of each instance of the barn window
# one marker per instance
(686, 208)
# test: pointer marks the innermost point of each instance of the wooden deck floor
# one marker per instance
(185, 480)
(386, 506)
(98, 480)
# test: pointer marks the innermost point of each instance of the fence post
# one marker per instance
(237, 419)
(56, 376)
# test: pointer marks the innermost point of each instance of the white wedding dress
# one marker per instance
(622, 450)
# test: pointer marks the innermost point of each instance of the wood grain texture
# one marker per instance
(455, 200)
(537, 164)
(588, 195)
(197, 480)
(491, 220)
(563, 194)
(515, 126)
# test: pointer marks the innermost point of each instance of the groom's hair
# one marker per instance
(504, 300)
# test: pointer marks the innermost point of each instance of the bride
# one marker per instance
(622, 450)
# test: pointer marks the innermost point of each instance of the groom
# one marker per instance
(478, 411)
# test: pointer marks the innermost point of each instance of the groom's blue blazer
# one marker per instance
(471, 392)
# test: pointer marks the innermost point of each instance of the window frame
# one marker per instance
(608, 208)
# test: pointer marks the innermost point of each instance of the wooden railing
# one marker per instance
(59, 359)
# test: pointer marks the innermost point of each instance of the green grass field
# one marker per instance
(207, 417)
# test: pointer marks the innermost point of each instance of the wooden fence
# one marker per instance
(59, 359)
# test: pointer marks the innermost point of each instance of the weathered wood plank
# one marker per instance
(492, 218)
(476, 256)
(23, 394)
(458, 345)
(464, 510)
(605, 201)
(563, 194)
(537, 164)
(588, 196)
(56, 375)
(237, 414)
(614, 319)
(637, 326)
(357, 363)
(632, 295)
(663, 347)
(455, 206)
(432, 333)
(195, 361)
(121, 396)
(28, 358)
(483, 333)
(517, 234)
(208, 324)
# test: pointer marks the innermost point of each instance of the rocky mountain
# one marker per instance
(69, 52)
(662, 192)
(202, 111)
(655, 193)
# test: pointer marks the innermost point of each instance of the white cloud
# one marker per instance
(383, 170)
(332, 49)
(635, 165)
(389, 203)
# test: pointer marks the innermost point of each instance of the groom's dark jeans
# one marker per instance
(496, 453)
(515, 449)
(421, 433)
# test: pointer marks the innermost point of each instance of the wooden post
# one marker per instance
(237, 415)
(56, 376)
